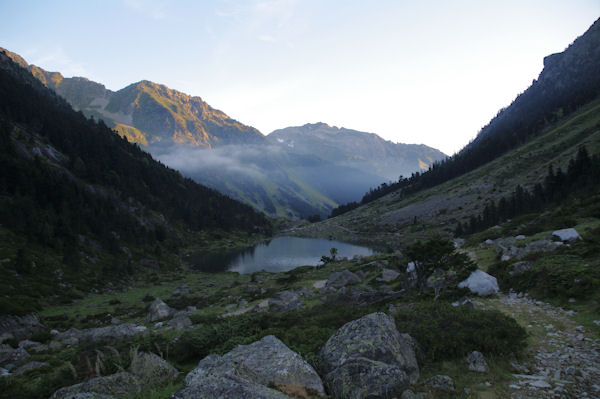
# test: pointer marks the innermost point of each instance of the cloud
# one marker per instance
(152, 9)
(267, 38)
(57, 60)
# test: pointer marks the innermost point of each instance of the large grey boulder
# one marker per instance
(14, 356)
(159, 310)
(285, 301)
(566, 235)
(265, 369)
(342, 279)
(480, 283)
(151, 369)
(368, 357)
(20, 327)
(180, 322)
(119, 384)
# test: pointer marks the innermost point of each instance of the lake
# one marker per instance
(277, 255)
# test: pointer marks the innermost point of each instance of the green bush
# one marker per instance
(445, 332)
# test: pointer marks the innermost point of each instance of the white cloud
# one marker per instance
(152, 9)
(57, 60)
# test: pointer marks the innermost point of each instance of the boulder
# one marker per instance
(319, 285)
(566, 235)
(388, 275)
(368, 357)
(265, 369)
(72, 336)
(441, 382)
(476, 362)
(13, 356)
(20, 327)
(342, 279)
(180, 322)
(285, 301)
(159, 310)
(480, 283)
(119, 385)
(151, 369)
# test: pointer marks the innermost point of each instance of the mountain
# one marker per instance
(359, 150)
(518, 152)
(81, 206)
(148, 113)
(291, 173)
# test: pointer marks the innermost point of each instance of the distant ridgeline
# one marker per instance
(582, 177)
(568, 81)
(68, 181)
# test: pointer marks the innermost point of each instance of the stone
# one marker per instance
(489, 242)
(29, 367)
(72, 336)
(13, 356)
(342, 279)
(368, 357)
(476, 362)
(28, 344)
(119, 384)
(151, 369)
(4, 372)
(388, 275)
(319, 285)
(480, 283)
(441, 382)
(285, 301)
(180, 322)
(265, 369)
(410, 268)
(520, 268)
(20, 327)
(566, 235)
(159, 310)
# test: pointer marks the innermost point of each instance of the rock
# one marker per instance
(566, 235)
(410, 268)
(28, 344)
(285, 301)
(489, 242)
(520, 237)
(151, 369)
(109, 333)
(13, 356)
(4, 372)
(159, 310)
(29, 367)
(480, 283)
(265, 369)
(89, 395)
(342, 279)
(520, 268)
(441, 382)
(368, 357)
(55, 345)
(476, 362)
(180, 322)
(388, 275)
(20, 327)
(119, 384)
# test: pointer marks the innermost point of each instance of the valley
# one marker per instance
(153, 247)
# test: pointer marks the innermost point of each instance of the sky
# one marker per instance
(425, 72)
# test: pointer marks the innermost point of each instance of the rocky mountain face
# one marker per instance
(351, 148)
(295, 172)
(148, 113)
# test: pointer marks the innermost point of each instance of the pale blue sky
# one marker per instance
(430, 72)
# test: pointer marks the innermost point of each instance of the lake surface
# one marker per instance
(277, 255)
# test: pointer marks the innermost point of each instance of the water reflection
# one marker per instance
(277, 255)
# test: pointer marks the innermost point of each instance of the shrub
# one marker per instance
(446, 332)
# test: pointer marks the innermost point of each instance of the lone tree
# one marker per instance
(438, 253)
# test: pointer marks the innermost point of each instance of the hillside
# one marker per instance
(359, 150)
(81, 206)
